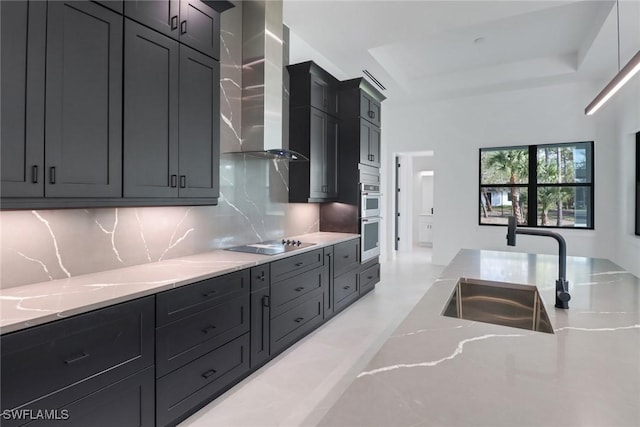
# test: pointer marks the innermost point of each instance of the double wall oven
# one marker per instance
(370, 209)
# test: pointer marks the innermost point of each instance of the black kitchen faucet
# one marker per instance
(562, 285)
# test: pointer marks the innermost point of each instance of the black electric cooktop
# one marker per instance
(271, 247)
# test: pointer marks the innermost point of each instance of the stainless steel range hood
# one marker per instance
(265, 106)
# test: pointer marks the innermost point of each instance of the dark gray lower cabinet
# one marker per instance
(260, 315)
(187, 389)
(292, 325)
(104, 368)
(63, 364)
(202, 343)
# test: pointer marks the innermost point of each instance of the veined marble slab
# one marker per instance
(38, 303)
(442, 371)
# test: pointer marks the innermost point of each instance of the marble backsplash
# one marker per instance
(43, 245)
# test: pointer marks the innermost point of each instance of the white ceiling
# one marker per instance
(439, 49)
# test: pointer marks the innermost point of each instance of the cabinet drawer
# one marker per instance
(345, 289)
(191, 337)
(114, 342)
(296, 264)
(368, 278)
(291, 292)
(295, 323)
(346, 256)
(83, 406)
(178, 303)
(188, 388)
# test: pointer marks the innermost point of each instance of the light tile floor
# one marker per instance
(299, 386)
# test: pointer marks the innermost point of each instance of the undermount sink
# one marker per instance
(500, 303)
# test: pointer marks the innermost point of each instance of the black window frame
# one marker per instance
(532, 184)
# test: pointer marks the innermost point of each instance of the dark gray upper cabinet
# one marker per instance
(83, 108)
(171, 128)
(314, 134)
(370, 108)
(192, 22)
(199, 146)
(311, 85)
(22, 101)
(369, 143)
(150, 113)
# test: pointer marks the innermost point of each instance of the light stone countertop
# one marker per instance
(443, 371)
(29, 305)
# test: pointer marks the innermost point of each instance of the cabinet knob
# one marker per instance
(299, 319)
(173, 181)
(34, 174)
(183, 27)
(174, 22)
(183, 181)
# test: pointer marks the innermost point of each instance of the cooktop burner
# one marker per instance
(271, 247)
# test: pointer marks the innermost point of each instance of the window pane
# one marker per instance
(564, 206)
(564, 163)
(498, 203)
(504, 166)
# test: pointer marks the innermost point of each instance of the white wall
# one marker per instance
(456, 129)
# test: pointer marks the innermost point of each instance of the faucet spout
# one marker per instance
(562, 285)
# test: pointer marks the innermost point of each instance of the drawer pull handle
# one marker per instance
(265, 301)
(299, 319)
(174, 22)
(183, 27)
(369, 277)
(298, 264)
(209, 373)
(210, 293)
(346, 287)
(77, 358)
(34, 174)
(346, 256)
(299, 288)
(208, 328)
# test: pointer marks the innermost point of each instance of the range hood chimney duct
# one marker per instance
(264, 52)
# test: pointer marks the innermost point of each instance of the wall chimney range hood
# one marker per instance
(265, 95)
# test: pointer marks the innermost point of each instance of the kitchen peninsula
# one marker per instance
(437, 370)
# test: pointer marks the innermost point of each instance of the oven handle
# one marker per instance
(371, 219)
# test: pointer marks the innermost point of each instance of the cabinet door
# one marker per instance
(161, 15)
(330, 158)
(370, 109)
(22, 103)
(83, 101)
(324, 95)
(374, 146)
(260, 315)
(200, 27)
(199, 148)
(317, 137)
(150, 113)
(365, 138)
(369, 144)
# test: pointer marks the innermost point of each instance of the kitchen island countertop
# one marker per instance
(29, 305)
(442, 371)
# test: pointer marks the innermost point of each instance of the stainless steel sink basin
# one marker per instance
(500, 303)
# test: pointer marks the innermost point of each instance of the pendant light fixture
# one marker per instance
(624, 75)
